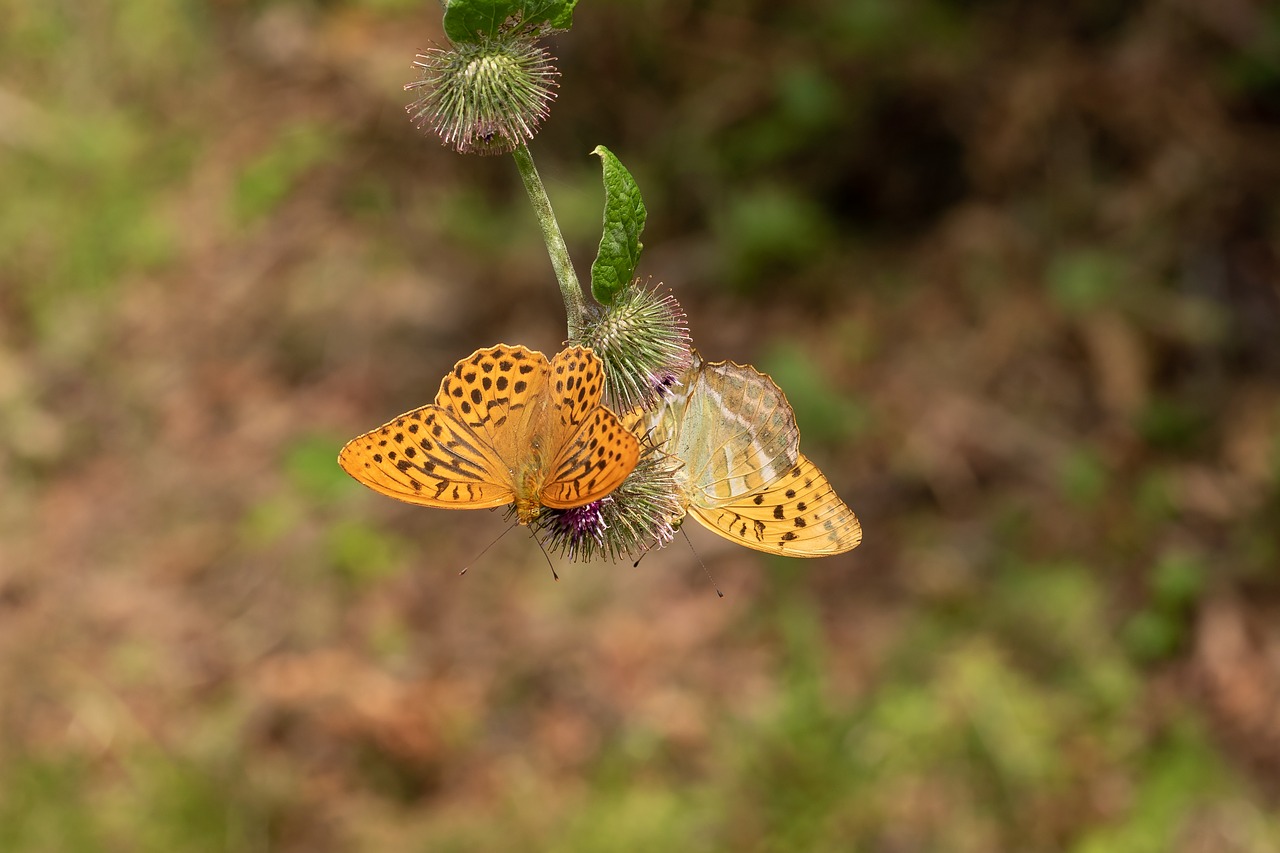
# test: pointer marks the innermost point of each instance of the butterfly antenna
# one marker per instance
(685, 533)
(646, 551)
(548, 556)
(486, 548)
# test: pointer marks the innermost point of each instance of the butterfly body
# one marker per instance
(507, 426)
(742, 474)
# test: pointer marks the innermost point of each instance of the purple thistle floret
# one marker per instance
(582, 522)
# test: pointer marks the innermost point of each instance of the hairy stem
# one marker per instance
(570, 289)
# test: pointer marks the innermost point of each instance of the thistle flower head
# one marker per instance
(636, 516)
(643, 340)
(487, 96)
(580, 523)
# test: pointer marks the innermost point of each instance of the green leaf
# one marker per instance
(474, 20)
(620, 245)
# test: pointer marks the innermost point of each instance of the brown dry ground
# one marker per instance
(1019, 271)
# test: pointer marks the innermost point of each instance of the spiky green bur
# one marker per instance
(487, 96)
(642, 338)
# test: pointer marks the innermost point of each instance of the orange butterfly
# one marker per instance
(507, 426)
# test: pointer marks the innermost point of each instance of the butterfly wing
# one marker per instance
(798, 515)
(592, 452)
(636, 422)
(737, 433)
(498, 393)
(743, 475)
(458, 452)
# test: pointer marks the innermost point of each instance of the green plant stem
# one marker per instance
(570, 289)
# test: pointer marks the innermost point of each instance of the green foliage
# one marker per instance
(624, 218)
(309, 464)
(1082, 280)
(1256, 68)
(362, 553)
(46, 806)
(78, 219)
(1153, 496)
(1161, 628)
(634, 817)
(392, 6)
(371, 198)
(807, 104)
(1178, 580)
(1084, 477)
(824, 417)
(808, 98)
(1151, 635)
(475, 20)
(1174, 777)
(768, 230)
(170, 803)
(268, 521)
(477, 223)
(880, 28)
(191, 806)
(1170, 424)
(272, 176)
(83, 172)
(991, 729)
(162, 37)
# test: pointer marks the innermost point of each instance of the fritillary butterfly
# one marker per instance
(742, 474)
(507, 426)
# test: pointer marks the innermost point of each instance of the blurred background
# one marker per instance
(1016, 265)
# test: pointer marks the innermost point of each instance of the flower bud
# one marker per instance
(643, 341)
(486, 97)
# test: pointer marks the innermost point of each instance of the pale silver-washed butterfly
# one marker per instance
(742, 474)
